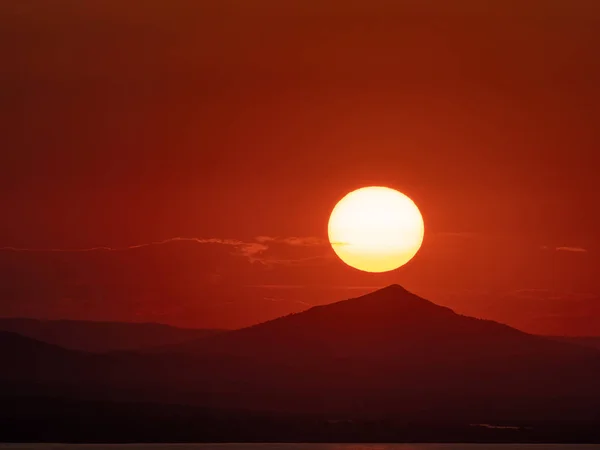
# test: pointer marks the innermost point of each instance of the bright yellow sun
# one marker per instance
(376, 229)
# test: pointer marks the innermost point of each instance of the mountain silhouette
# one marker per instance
(390, 325)
(388, 353)
(102, 336)
(15, 347)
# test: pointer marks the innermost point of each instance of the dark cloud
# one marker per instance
(571, 249)
(254, 251)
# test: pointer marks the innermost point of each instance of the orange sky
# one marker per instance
(127, 124)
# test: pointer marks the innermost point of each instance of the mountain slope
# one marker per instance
(390, 349)
(15, 347)
(101, 336)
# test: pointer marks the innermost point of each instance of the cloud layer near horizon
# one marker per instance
(254, 250)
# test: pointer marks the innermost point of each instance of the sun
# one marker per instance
(376, 229)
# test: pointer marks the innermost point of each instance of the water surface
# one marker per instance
(299, 446)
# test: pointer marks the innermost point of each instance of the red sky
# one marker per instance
(127, 123)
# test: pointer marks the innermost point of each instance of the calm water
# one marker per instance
(298, 447)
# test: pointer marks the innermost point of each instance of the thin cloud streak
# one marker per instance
(297, 241)
(310, 287)
(571, 249)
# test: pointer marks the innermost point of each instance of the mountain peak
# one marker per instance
(388, 306)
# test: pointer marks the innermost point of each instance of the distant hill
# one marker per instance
(102, 336)
(25, 362)
(388, 355)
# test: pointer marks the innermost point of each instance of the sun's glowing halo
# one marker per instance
(376, 229)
